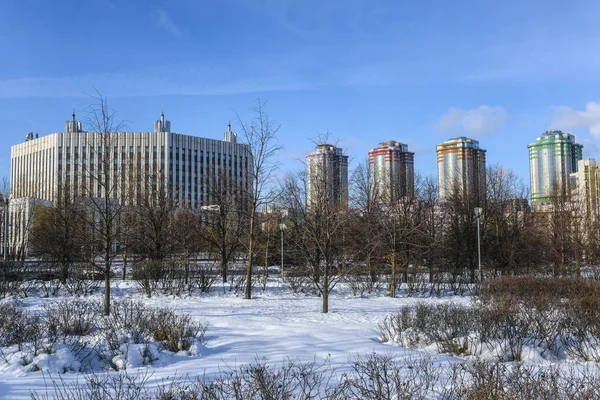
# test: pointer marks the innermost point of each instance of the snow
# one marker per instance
(275, 325)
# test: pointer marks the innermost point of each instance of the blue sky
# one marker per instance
(364, 70)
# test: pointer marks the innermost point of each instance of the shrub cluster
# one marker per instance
(557, 316)
(20, 328)
(366, 377)
(95, 339)
(174, 278)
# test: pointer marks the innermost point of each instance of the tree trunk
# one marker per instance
(326, 289)
(248, 292)
(107, 284)
(124, 274)
(224, 264)
(393, 277)
(187, 267)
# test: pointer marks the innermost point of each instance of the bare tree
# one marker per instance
(507, 225)
(150, 236)
(101, 189)
(403, 224)
(364, 236)
(185, 233)
(318, 230)
(460, 233)
(260, 135)
(224, 222)
(59, 235)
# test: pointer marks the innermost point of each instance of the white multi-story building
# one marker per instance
(461, 169)
(391, 167)
(123, 167)
(189, 168)
(586, 189)
(327, 176)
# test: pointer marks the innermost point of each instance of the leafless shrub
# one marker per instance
(140, 323)
(50, 288)
(147, 275)
(121, 386)
(370, 376)
(448, 325)
(582, 328)
(81, 281)
(298, 283)
(487, 380)
(18, 327)
(174, 330)
(375, 376)
(417, 284)
(202, 276)
(236, 279)
(526, 288)
(361, 282)
(71, 318)
(460, 284)
(436, 284)
(14, 279)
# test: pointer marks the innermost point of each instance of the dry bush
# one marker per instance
(368, 377)
(147, 275)
(363, 279)
(142, 324)
(582, 328)
(374, 376)
(486, 380)
(19, 327)
(175, 331)
(202, 276)
(82, 280)
(72, 317)
(448, 325)
(530, 288)
(14, 279)
(119, 386)
(298, 283)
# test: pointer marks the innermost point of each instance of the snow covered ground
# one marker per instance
(275, 325)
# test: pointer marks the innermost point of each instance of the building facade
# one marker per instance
(129, 165)
(461, 169)
(327, 176)
(586, 189)
(391, 168)
(552, 158)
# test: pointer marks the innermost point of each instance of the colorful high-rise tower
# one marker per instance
(552, 158)
(327, 176)
(461, 169)
(391, 167)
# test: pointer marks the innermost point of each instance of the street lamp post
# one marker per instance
(281, 228)
(478, 212)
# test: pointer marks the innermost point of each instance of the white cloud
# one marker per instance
(164, 21)
(477, 122)
(567, 118)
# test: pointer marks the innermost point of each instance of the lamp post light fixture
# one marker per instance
(478, 213)
(281, 228)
